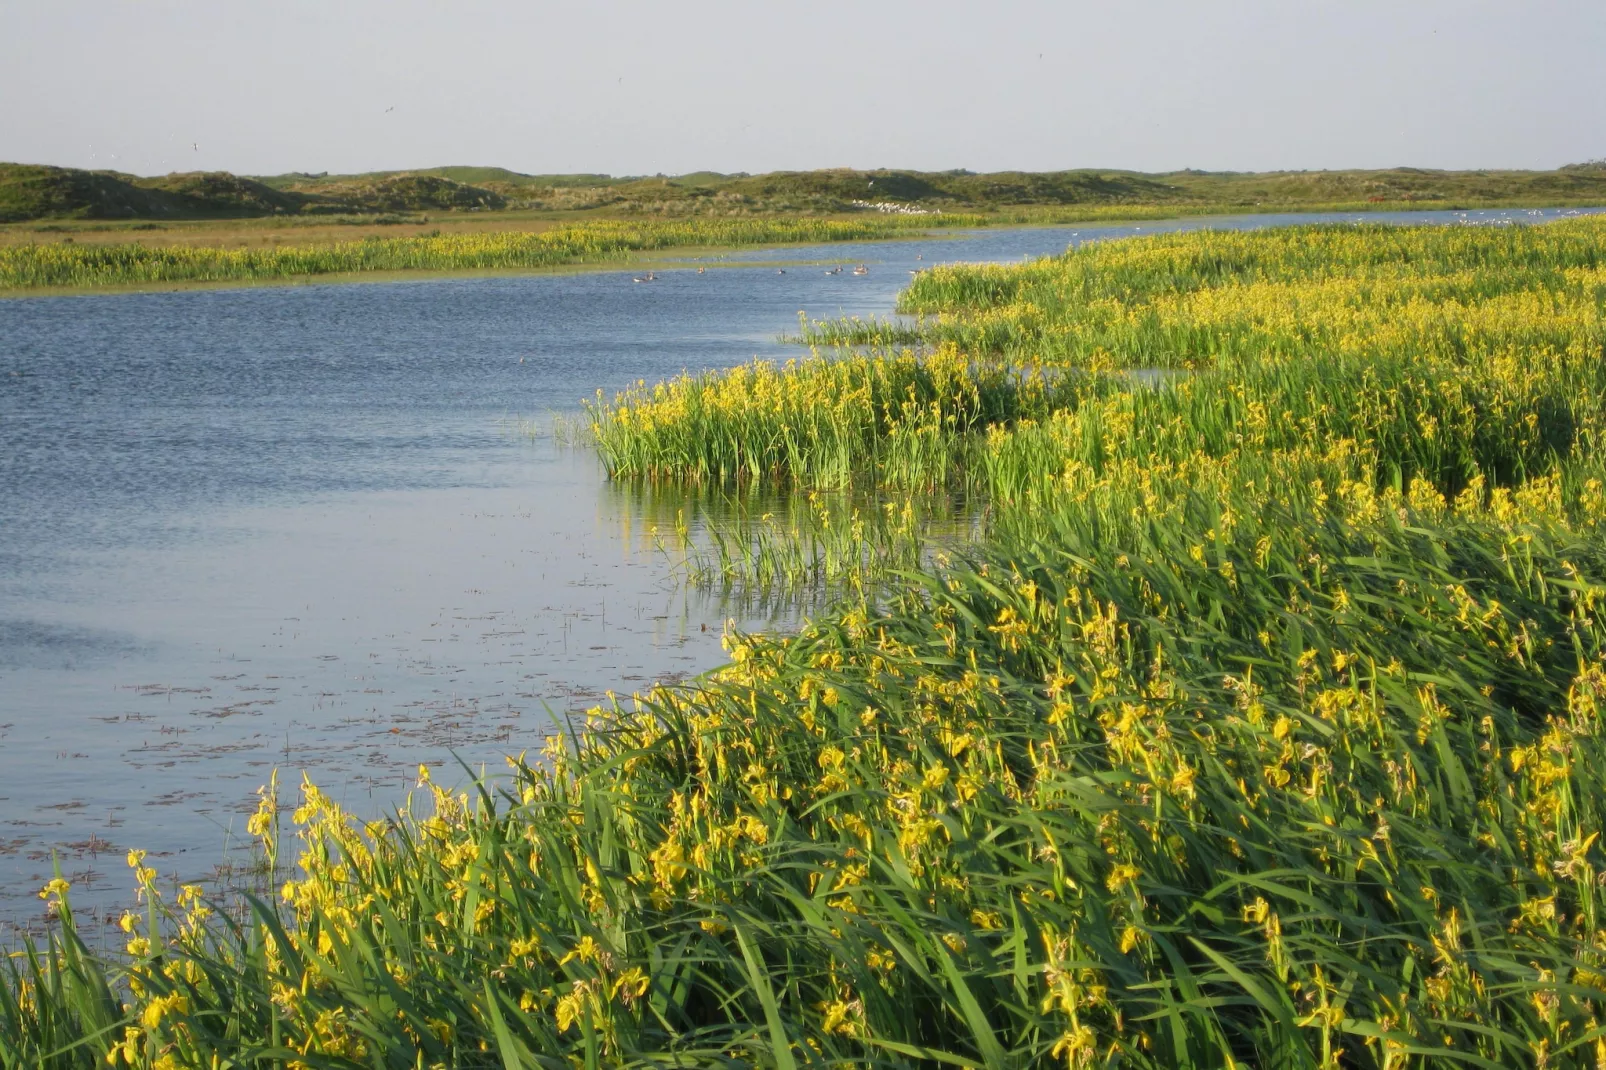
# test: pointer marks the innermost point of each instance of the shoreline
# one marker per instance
(672, 257)
(659, 260)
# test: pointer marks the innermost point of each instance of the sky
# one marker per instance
(637, 87)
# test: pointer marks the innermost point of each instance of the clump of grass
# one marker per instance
(566, 430)
(857, 331)
(899, 418)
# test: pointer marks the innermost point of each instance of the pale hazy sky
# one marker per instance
(680, 85)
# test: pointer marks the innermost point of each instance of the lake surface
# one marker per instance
(327, 528)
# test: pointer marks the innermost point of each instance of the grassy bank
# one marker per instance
(1262, 725)
(73, 265)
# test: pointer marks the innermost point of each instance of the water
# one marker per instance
(309, 527)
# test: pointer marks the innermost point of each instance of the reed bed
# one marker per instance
(899, 419)
(1261, 725)
(1450, 351)
(1451, 294)
(86, 265)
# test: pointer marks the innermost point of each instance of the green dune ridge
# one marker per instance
(36, 192)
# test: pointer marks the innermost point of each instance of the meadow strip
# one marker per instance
(88, 265)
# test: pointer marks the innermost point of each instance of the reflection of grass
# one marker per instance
(820, 541)
(1261, 724)
(85, 265)
(821, 545)
(762, 546)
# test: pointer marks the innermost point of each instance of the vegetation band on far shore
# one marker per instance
(37, 266)
(64, 227)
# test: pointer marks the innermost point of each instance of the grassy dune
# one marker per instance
(32, 192)
(1261, 726)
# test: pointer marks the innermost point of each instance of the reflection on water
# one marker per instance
(299, 527)
(761, 552)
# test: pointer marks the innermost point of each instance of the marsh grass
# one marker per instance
(897, 419)
(1260, 724)
(1298, 293)
(88, 265)
(1322, 787)
(857, 331)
